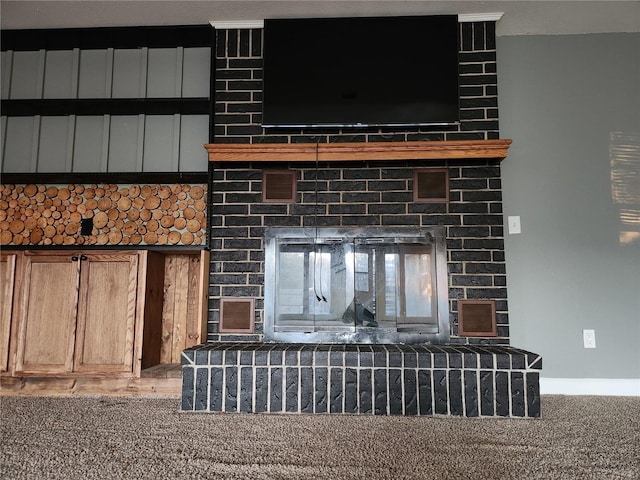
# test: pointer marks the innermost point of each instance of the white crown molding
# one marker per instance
(236, 24)
(479, 17)
(248, 24)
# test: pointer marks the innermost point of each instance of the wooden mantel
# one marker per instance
(311, 152)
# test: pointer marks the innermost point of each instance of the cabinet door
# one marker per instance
(106, 313)
(48, 314)
(7, 276)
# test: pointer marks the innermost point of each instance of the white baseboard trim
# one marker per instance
(621, 387)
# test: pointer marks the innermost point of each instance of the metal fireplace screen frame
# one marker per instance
(356, 285)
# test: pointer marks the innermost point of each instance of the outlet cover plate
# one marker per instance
(589, 338)
(514, 225)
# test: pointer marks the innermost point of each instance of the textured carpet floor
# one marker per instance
(112, 438)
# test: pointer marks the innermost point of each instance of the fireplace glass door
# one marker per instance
(352, 286)
(395, 285)
(313, 285)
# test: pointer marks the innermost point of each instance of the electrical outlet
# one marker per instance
(589, 337)
(514, 225)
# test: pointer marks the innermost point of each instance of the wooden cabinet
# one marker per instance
(176, 307)
(106, 313)
(78, 312)
(48, 314)
(98, 321)
(7, 277)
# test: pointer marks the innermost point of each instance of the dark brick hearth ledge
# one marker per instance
(464, 380)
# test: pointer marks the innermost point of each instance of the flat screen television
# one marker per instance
(357, 72)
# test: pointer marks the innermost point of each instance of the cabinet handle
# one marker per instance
(74, 258)
(83, 257)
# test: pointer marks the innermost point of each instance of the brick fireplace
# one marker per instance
(358, 179)
(360, 194)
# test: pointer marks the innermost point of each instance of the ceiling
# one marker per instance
(520, 17)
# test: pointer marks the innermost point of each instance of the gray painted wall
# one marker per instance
(562, 98)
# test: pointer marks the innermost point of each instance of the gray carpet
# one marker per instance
(111, 437)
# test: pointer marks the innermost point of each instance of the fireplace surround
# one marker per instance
(357, 179)
(346, 192)
(352, 371)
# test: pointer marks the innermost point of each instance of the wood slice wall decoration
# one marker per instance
(121, 214)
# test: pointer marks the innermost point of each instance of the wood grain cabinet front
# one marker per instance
(105, 328)
(7, 289)
(100, 321)
(78, 312)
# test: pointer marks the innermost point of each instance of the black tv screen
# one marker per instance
(371, 71)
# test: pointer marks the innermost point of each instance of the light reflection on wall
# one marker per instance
(624, 153)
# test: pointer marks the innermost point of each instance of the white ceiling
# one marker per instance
(520, 17)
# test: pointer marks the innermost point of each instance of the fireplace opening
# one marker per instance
(354, 285)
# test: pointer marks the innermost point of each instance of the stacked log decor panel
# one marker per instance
(136, 214)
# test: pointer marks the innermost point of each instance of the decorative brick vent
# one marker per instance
(236, 315)
(470, 381)
(431, 185)
(477, 318)
(278, 186)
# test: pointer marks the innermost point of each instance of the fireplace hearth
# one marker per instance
(472, 381)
